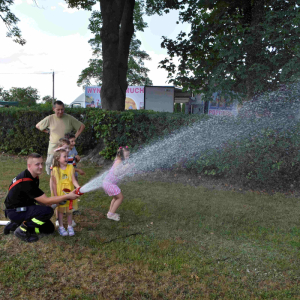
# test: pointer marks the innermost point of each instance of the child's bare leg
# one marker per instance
(60, 219)
(70, 218)
(116, 202)
(112, 203)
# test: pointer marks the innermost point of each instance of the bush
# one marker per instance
(133, 128)
(271, 160)
(20, 136)
(177, 108)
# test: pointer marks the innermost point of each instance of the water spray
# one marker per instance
(277, 111)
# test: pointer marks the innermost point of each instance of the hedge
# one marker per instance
(270, 159)
(19, 135)
(133, 128)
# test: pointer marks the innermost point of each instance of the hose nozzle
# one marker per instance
(77, 191)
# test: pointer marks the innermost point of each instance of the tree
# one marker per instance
(25, 96)
(117, 29)
(10, 21)
(5, 95)
(137, 73)
(47, 100)
(116, 32)
(241, 46)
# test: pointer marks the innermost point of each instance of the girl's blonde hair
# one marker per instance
(120, 152)
(56, 157)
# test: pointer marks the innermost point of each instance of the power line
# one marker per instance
(42, 73)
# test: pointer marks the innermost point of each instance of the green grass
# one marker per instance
(174, 241)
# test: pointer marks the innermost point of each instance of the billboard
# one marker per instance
(222, 106)
(134, 97)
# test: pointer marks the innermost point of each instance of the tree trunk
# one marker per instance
(116, 34)
(255, 15)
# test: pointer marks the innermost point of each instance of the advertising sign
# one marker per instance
(92, 96)
(221, 106)
(134, 97)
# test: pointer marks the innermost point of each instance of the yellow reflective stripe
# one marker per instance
(22, 228)
(37, 221)
(37, 231)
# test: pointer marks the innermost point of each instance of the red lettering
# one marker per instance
(89, 90)
(142, 90)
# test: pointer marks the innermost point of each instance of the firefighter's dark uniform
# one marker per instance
(21, 206)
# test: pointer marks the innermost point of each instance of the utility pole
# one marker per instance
(53, 89)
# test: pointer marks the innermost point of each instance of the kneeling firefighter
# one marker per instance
(27, 218)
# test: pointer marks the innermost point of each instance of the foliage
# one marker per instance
(269, 160)
(25, 96)
(246, 47)
(48, 100)
(183, 108)
(177, 108)
(19, 135)
(10, 21)
(5, 95)
(132, 128)
(115, 28)
(137, 73)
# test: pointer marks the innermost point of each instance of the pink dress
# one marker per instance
(110, 183)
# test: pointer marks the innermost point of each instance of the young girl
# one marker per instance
(62, 143)
(110, 182)
(63, 181)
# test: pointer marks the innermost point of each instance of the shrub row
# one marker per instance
(135, 128)
(270, 160)
(132, 128)
(19, 135)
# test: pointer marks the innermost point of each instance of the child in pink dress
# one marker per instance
(110, 182)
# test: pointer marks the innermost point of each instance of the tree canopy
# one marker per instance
(25, 96)
(242, 46)
(10, 21)
(137, 73)
(120, 18)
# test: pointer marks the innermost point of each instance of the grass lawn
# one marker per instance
(174, 241)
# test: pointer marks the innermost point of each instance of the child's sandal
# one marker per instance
(114, 217)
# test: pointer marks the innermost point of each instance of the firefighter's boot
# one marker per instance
(22, 232)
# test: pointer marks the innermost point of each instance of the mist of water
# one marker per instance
(278, 111)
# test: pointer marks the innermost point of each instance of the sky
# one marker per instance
(57, 41)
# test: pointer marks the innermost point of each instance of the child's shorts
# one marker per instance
(111, 189)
